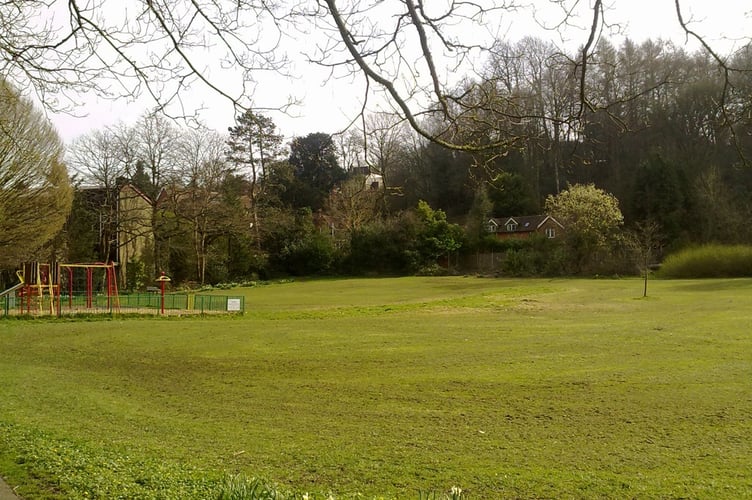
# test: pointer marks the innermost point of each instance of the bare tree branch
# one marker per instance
(421, 56)
(726, 69)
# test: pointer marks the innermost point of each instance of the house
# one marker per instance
(374, 181)
(135, 232)
(111, 224)
(524, 226)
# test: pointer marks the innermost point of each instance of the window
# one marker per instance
(550, 232)
(512, 226)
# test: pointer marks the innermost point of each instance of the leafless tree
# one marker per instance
(97, 161)
(196, 198)
(410, 51)
(645, 239)
(350, 146)
(68, 48)
(385, 138)
(352, 205)
(96, 157)
(537, 80)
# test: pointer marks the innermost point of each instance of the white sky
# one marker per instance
(328, 106)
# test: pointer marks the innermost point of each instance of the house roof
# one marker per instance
(136, 190)
(524, 223)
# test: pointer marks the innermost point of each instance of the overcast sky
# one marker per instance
(329, 105)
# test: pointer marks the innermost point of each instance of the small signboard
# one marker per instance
(233, 305)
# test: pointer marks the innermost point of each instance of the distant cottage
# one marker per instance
(524, 226)
(374, 181)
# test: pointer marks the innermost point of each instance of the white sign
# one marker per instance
(233, 304)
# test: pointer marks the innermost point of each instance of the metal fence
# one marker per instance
(10, 303)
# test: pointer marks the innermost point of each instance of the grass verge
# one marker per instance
(393, 388)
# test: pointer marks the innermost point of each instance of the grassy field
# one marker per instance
(393, 387)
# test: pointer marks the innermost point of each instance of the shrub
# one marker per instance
(136, 275)
(385, 247)
(709, 261)
(310, 255)
(520, 263)
(535, 256)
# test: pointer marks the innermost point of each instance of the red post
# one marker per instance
(89, 288)
(109, 288)
(162, 282)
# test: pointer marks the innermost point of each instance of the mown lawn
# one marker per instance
(394, 388)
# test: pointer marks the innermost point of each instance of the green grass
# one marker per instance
(394, 388)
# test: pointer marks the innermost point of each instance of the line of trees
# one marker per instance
(660, 131)
(660, 128)
(239, 206)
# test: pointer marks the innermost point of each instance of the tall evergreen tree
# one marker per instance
(316, 170)
(253, 146)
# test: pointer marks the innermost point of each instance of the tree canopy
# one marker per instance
(316, 168)
(35, 192)
(591, 218)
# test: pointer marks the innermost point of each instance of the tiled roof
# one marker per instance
(525, 223)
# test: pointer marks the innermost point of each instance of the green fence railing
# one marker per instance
(12, 304)
(7, 303)
(180, 301)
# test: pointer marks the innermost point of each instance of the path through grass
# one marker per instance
(566, 388)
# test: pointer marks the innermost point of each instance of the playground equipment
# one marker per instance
(44, 288)
(10, 292)
(54, 289)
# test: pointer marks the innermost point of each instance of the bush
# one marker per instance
(709, 261)
(535, 256)
(520, 263)
(385, 247)
(311, 255)
(136, 275)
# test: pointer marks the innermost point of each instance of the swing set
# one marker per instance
(48, 288)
